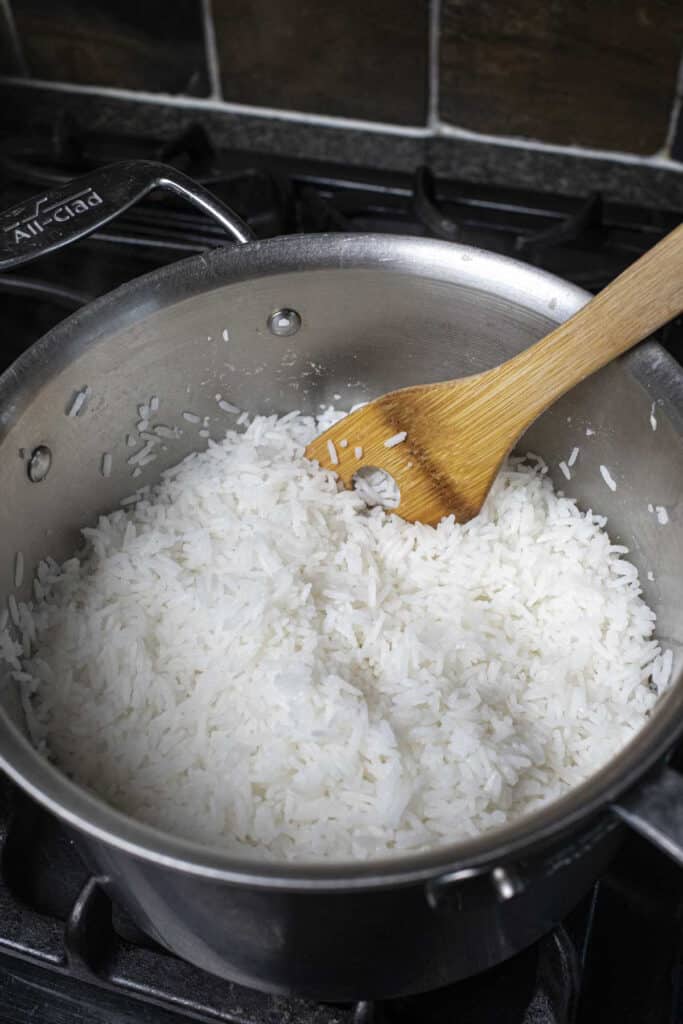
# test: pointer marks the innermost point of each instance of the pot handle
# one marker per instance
(655, 810)
(53, 219)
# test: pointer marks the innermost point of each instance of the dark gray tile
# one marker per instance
(364, 60)
(677, 144)
(11, 57)
(155, 45)
(598, 74)
(9, 63)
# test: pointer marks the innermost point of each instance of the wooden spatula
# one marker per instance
(457, 433)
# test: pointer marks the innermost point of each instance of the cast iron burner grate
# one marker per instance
(67, 954)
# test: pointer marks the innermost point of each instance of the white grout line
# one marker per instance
(675, 110)
(224, 107)
(439, 130)
(15, 41)
(211, 51)
(656, 160)
(433, 59)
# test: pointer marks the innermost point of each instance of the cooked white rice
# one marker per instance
(608, 478)
(227, 406)
(395, 439)
(251, 658)
(18, 569)
(78, 403)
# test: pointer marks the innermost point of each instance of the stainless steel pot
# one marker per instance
(376, 312)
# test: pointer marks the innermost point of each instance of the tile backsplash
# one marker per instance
(569, 73)
(600, 74)
(355, 59)
(150, 45)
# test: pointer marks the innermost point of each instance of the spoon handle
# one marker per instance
(646, 295)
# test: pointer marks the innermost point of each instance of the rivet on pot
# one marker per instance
(39, 463)
(284, 322)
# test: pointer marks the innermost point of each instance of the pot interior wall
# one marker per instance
(364, 331)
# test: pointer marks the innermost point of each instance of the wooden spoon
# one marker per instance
(459, 432)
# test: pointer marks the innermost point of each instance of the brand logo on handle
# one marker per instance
(58, 213)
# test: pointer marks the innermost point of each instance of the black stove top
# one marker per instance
(67, 954)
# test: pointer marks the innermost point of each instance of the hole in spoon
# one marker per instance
(377, 487)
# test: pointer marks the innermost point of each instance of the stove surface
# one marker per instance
(67, 954)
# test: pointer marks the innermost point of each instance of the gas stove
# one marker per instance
(67, 953)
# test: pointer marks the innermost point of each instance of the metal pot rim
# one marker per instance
(105, 316)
